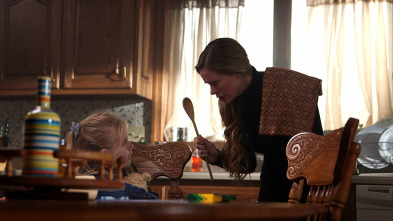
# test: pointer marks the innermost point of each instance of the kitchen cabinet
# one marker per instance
(370, 196)
(243, 194)
(87, 46)
(246, 192)
(30, 43)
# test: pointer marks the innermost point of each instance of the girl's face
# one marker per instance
(226, 87)
(125, 150)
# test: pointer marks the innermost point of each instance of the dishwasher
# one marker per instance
(374, 202)
(374, 189)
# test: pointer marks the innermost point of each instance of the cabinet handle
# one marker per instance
(121, 72)
(123, 75)
(51, 74)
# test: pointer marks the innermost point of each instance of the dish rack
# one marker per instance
(377, 149)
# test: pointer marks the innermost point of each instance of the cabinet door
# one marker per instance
(99, 43)
(30, 42)
(243, 194)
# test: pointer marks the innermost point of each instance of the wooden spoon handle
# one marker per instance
(189, 108)
(195, 127)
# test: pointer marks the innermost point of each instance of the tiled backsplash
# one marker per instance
(134, 112)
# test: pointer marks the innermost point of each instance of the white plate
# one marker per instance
(369, 154)
(385, 122)
(386, 144)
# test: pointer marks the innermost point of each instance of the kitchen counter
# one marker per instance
(216, 176)
(364, 178)
(204, 178)
(373, 178)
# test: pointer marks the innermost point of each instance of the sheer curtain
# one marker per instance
(192, 25)
(349, 45)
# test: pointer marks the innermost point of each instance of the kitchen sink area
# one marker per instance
(218, 172)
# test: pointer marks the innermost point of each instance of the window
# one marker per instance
(348, 46)
(199, 26)
(256, 33)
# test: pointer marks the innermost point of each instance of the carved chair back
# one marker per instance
(167, 159)
(327, 164)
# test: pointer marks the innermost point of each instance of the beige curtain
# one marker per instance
(191, 25)
(331, 2)
(350, 46)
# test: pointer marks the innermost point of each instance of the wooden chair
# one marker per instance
(327, 164)
(167, 159)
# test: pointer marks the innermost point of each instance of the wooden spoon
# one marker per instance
(189, 108)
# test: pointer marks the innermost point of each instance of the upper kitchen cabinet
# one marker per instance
(99, 43)
(88, 46)
(101, 50)
(30, 42)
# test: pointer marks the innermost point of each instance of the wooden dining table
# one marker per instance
(42, 198)
(157, 210)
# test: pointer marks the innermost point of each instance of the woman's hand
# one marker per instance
(206, 149)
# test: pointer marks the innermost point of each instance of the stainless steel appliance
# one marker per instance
(374, 202)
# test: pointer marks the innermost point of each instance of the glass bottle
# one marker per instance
(41, 135)
(196, 161)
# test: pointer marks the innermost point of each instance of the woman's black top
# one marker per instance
(274, 184)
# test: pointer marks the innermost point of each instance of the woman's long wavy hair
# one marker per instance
(227, 56)
(98, 131)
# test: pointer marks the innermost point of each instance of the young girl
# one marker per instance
(105, 133)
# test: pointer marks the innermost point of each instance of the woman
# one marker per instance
(105, 133)
(224, 65)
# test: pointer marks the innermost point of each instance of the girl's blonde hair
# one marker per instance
(227, 56)
(96, 132)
